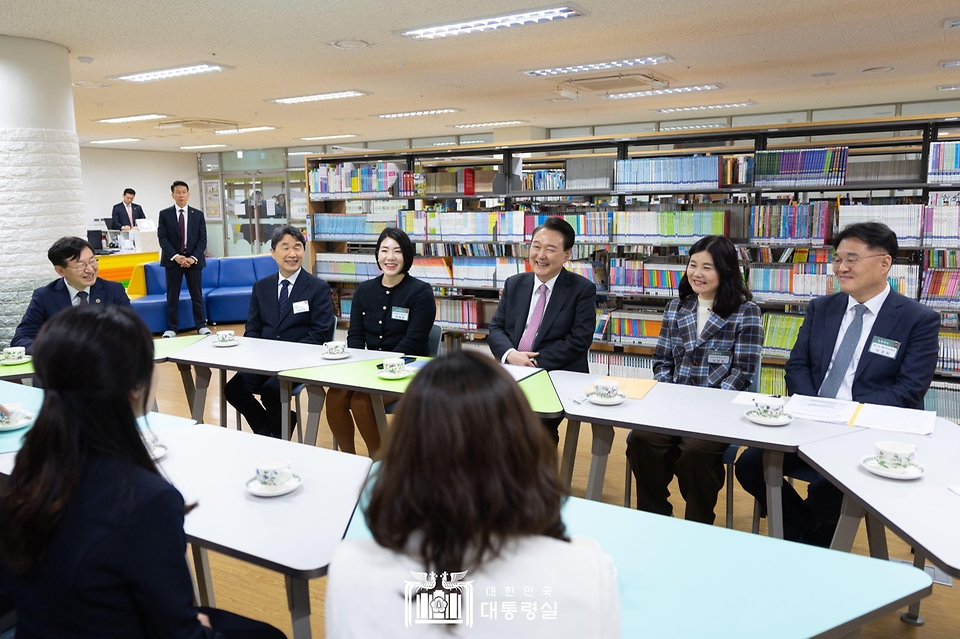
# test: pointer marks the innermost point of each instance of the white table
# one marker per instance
(922, 512)
(293, 534)
(686, 411)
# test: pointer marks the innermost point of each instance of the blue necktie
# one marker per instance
(283, 302)
(848, 347)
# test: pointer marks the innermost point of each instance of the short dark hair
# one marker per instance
(561, 226)
(875, 235)
(132, 192)
(173, 187)
(406, 246)
(66, 249)
(286, 229)
(467, 467)
(733, 289)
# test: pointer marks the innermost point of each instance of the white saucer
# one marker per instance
(343, 355)
(606, 401)
(913, 471)
(257, 489)
(405, 373)
(25, 421)
(157, 452)
(225, 344)
(783, 420)
(16, 362)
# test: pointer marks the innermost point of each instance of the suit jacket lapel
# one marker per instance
(831, 325)
(294, 291)
(561, 290)
(525, 292)
(97, 292)
(887, 320)
(687, 323)
(714, 324)
(62, 295)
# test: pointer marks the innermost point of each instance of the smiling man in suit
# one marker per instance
(75, 263)
(182, 234)
(126, 213)
(868, 344)
(293, 306)
(546, 318)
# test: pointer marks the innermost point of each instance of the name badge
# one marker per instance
(400, 313)
(718, 357)
(885, 347)
(301, 307)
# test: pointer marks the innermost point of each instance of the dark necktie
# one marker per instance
(844, 357)
(82, 296)
(183, 234)
(283, 302)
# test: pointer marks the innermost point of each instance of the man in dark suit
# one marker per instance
(126, 213)
(75, 263)
(182, 233)
(546, 318)
(868, 344)
(293, 306)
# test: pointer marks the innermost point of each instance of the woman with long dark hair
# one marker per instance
(469, 482)
(91, 534)
(711, 336)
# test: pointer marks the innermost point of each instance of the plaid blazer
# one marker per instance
(682, 356)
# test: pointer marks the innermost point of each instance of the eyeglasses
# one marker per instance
(80, 267)
(851, 260)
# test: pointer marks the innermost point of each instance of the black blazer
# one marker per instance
(566, 330)
(114, 565)
(120, 218)
(898, 381)
(168, 233)
(49, 300)
(313, 326)
(372, 325)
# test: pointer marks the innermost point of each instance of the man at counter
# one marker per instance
(126, 213)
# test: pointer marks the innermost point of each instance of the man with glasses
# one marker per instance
(868, 344)
(75, 263)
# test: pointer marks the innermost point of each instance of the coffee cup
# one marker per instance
(14, 353)
(768, 407)
(606, 389)
(274, 471)
(393, 366)
(336, 348)
(225, 337)
(895, 455)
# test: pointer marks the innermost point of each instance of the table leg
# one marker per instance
(773, 476)
(186, 374)
(201, 570)
(298, 600)
(912, 616)
(569, 452)
(285, 387)
(850, 514)
(223, 398)
(600, 450)
(203, 375)
(315, 398)
(380, 413)
(876, 538)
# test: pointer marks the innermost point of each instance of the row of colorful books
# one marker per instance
(800, 167)
(949, 361)
(773, 381)
(941, 288)
(788, 282)
(780, 333)
(465, 180)
(899, 168)
(791, 224)
(906, 220)
(944, 167)
(634, 327)
(473, 249)
(639, 277)
(943, 397)
(543, 180)
(737, 170)
(348, 178)
(459, 313)
(348, 228)
(668, 227)
(591, 227)
(620, 365)
(941, 226)
(941, 258)
(683, 173)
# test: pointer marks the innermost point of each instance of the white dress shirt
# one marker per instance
(186, 225)
(533, 304)
(73, 293)
(292, 279)
(869, 317)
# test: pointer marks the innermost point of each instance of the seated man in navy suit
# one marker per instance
(293, 306)
(75, 263)
(868, 344)
(126, 213)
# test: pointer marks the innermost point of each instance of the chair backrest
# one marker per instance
(264, 265)
(755, 384)
(236, 271)
(210, 275)
(155, 278)
(433, 342)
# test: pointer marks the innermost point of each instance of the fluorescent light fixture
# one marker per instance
(601, 66)
(203, 146)
(249, 129)
(473, 141)
(444, 144)
(329, 137)
(664, 91)
(413, 114)
(948, 87)
(946, 64)
(689, 127)
(708, 107)
(173, 72)
(114, 141)
(493, 23)
(320, 96)
(484, 125)
(133, 118)
(292, 153)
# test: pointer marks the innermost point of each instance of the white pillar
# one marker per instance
(41, 191)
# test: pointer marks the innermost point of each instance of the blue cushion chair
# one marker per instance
(152, 307)
(230, 301)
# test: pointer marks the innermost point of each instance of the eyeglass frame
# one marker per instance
(852, 260)
(81, 267)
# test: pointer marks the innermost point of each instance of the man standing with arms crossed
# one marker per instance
(182, 233)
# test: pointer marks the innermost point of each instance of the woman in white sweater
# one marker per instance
(465, 516)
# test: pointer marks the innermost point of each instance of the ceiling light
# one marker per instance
(493, 23)
(951, 23)
(411, 114)
(665, 91)
(329, 137)
(444, 144)
(203, 146)
(708, 107)
(484, 125)
(601, 66)
(948, 87)
(949, 63)
(473, 141)
(114, 141)
(173, 72)
(688, 127)
(877, 70)
(292, 153)
(133, 118)
(249, 129)
(89, 84)
(320, 96)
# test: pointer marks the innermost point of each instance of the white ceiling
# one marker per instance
(765, 51)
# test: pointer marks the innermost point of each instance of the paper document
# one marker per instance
(746, 398)
(520, 372)
(822, 409)
(901, 420)
(631, 387)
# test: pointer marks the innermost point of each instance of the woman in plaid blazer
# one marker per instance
(711, 336)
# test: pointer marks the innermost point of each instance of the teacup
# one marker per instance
(225, 337)
(14, 353)
(393, 366)
(768, 407)
(895, 455)
(274, 471)
(336, 348)
(606, 389)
